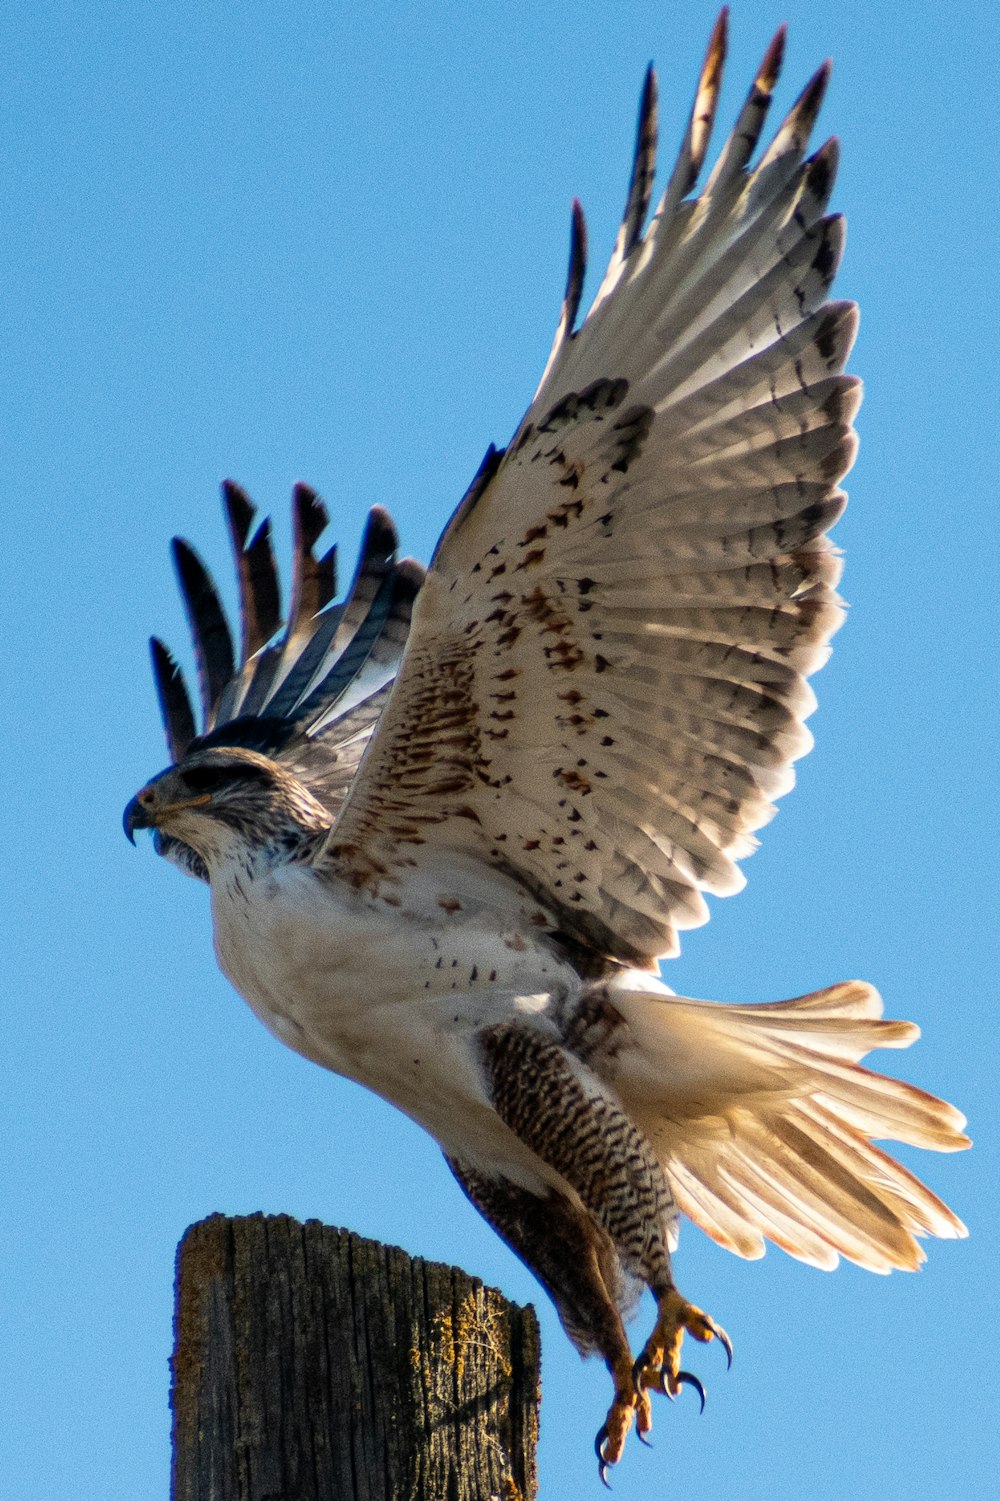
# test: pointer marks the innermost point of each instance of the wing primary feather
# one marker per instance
(639, 191)
(750, 122)
(643, 168)
(314, 580)
(696, 138)
(213, 645)
(373, 656)
(575, 274)
(314, 584)
(260, 599)
(303, 668)
(175, 704)
(794, 131)
(334, 633)
(577, 269)
(240, 512)
(640, 185)
(332, 678)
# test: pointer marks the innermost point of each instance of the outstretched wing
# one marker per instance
(605, 685)
(307, 692)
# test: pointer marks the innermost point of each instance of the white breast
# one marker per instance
(385, 996)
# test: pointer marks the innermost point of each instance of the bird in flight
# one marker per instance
(452, 823)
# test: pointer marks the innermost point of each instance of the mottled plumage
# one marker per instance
(452, 823)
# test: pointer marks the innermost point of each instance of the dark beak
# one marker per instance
(134, 818)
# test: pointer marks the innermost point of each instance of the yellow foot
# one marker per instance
(609, 1444)
(659, 1365)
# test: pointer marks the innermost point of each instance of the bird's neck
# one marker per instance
(233, 857)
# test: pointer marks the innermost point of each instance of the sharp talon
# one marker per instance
(637, 1369)
(602, 1464)
(663, 1384)
(685, 1378)
(643, 1439)
(726, 1344)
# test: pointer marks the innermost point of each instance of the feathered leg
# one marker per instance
(577, 1264)
(606, 1235)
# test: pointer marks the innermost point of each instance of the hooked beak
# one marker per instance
(142, 813)
(134, 818)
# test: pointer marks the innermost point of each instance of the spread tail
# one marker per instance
(763, 1120)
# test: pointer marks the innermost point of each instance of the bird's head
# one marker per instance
(226, 803)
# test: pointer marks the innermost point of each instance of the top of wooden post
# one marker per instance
(311, 1364)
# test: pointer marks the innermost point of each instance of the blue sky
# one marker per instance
(328, 243)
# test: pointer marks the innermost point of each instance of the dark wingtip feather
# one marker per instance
(314, 580)
(309, 514)
(770, 67)
(746, 133)
(802, 115)
(793, 133)
(643, 166)
(256, 571)
(577, 267)
(821, 169)
(409, 576)
(263, 595)
(213, 644)
(711, 73)
(702, 117)
(239, 512)
(175, 704)
(380, 538)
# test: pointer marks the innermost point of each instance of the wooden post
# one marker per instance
(312, 1365)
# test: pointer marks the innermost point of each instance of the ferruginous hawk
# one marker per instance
(452, 823)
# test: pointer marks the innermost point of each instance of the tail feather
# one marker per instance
(763, 1119)
(894, 1184)
(840, 1207)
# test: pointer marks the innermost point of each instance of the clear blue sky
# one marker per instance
(327, 242)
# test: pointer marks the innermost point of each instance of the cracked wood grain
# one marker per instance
(312, 1365)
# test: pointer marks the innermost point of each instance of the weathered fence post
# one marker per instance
(312, 1365)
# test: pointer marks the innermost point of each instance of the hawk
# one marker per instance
(452, 823)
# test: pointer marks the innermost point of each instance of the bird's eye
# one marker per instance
(204, 778)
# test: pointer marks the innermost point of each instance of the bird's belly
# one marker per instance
(391, 1003)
